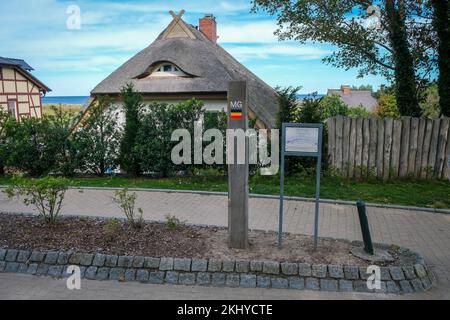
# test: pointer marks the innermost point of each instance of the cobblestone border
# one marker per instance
(214, 272)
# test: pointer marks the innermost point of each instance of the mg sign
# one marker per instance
(236, 110)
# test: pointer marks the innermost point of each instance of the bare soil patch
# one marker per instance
(156, 240)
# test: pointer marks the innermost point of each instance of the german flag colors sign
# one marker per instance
(236, 114)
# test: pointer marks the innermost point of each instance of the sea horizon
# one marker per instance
(83, 99)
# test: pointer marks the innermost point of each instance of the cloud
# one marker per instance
(74, 61)
(238, 31)
(269, 51)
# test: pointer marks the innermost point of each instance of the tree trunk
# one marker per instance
(441, 23)
(405, 80)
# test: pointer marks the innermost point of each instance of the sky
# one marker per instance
(73, 61)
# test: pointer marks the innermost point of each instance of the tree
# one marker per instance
(369, 38)
(98, 137)
(288, 103)
(132, 105)
(441, 23)
(60, 123)
(405, 83)
(387, 107)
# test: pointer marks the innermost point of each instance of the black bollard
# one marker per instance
(368, 247)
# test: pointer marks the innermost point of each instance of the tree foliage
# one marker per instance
(441, 23)
(387, 107)
(98, 138)
(39, 146)
(399, 46)
(132, 105)
(153, 140)
(5, 144)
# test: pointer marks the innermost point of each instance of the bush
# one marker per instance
(430, 104)
(132, 104)
(153, 141)
(387, 107)
(358, 112)
(35, 146)
(46, 194)
(172, 222)
(98, 138)
(41, 146)
(331, 106)
(67, 157)
(5, 145)
(127, 203)
(288, 104)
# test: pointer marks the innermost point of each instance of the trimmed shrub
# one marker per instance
(46, 195)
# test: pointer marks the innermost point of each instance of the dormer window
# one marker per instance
(167, 70)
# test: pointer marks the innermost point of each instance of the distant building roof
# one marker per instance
(16, 62)
(355, 98)
(25, 69)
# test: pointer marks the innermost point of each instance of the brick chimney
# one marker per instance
(346, 89)
(208, 26)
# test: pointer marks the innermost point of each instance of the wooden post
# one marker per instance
(238, 173)
(380, 148)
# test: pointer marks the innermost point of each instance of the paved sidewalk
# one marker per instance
(26, 287)
(428, 233)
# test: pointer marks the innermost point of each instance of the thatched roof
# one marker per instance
(208, 65)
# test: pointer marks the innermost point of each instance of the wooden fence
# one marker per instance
(389, 148)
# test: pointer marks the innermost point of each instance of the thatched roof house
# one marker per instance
(186, 62)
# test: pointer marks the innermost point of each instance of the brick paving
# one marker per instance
(14, 286)
(427, 233)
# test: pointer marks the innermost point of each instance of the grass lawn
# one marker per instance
(431, 194)
(73, 109)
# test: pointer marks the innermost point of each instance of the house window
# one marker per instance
(12, 107)
(1, 73)
(167, 70)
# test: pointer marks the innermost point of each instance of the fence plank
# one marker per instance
(352, 150)
(442, 143)
(346, 147)
(426, 148)
(404, 148)
(373, 144)
(339, 131)
(366, 147)
(433, 148)
(446, 171)
(387, 147)
(380, 148)
(359, 147)
(396, 145)
(420, 140)
(414, 131)
(331, 141)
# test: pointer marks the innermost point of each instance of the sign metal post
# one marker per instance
(301, 140)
